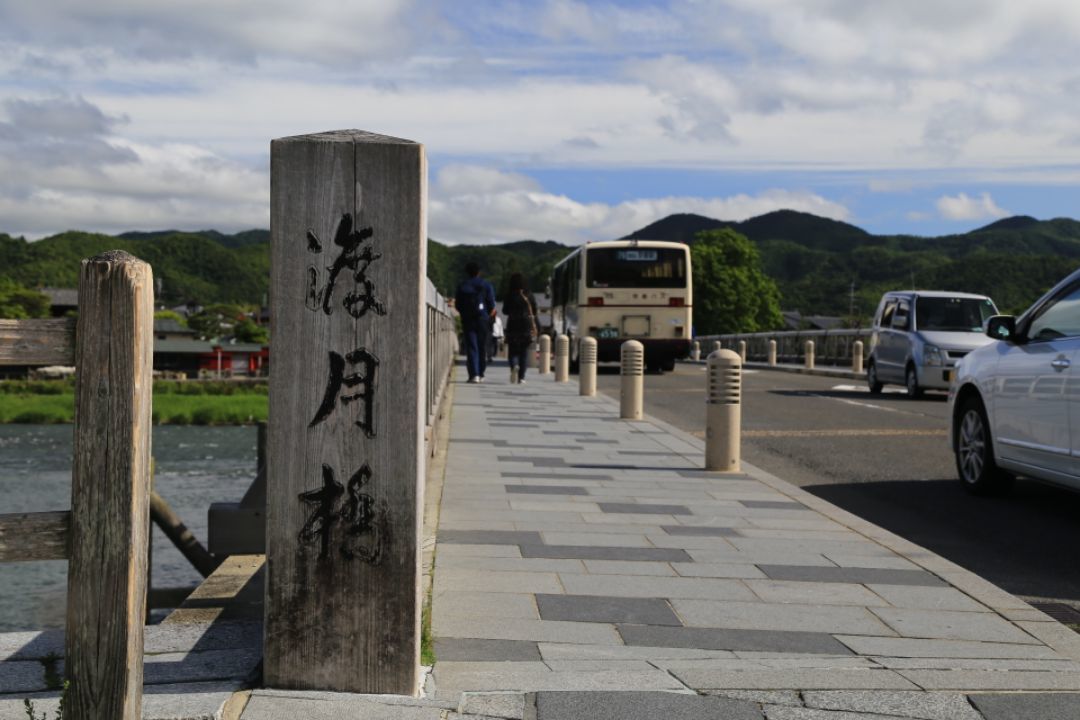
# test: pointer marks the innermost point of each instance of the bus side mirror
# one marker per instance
(1001, 327)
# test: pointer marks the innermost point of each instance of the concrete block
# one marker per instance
(455, 579)
(546, 489)
(510, 705)
(538, 630)
(627, 567)
(483, 604)
(591, 552)
(866, 576)
(1043, 706)
(662, 587)
(722, 639)
(808, 679)
(921, 705)
(927, 598)
(488, 537)
(992, 680)
(920, 648)
(764, 616)
(479, 650)
(950, 625)
(642, 509)
(640, 706)
(606, 609)
(811, 593)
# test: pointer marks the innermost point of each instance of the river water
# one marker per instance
(195, 466)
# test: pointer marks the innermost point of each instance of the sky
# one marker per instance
(546, 119)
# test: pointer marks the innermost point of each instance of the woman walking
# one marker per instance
(519, 307)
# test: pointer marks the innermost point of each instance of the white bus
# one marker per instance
(625, 290)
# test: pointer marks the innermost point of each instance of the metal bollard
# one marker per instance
(631, 399)
(742, 351)
(587, 367)
(809, 354)
(695, 352)
(545, 355)
(856, 356)
(562, 358)
(723, 419)
(772, 353)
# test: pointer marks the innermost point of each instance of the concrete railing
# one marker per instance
(831, 347)
(442, 345)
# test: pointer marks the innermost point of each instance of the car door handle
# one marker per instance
(1060, 364)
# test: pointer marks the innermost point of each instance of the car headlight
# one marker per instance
(933, 355)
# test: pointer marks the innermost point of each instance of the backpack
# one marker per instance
(470, 299)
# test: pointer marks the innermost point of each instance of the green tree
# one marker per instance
(18, 302)
(732, 293)
(248, 331)
(214, 321)
(170, 315)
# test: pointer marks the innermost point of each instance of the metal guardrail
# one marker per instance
(831, 347)
(442, 345)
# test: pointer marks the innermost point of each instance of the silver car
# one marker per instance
(919, 335)
(1015, 404)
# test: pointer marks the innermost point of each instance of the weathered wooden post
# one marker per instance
(345, 462)
(110, 483)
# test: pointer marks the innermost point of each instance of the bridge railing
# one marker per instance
(831, 347)
(441, 348)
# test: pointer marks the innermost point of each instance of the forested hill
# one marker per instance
(814, 260)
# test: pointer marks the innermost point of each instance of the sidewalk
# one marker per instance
(585, 554)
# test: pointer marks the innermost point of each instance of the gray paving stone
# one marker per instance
(720, 639)
(765, 616)
(636, 509)
(770, 697)
(567, 432)
(795, 679)
(699, 530)
(1041, 706)
(483, 604)
(537, 460)
(921, 705)
(478, 650)
(951, 625)
(666, 587)
(877, 576)
(493, 704)
(774, 504)
(565, 651)
(600, 539)
(606, 609)
(489, 537)
(297, 704)
(786, 712)
(627, 567)
(551, 631)
(22, 676)
(718, 570)
(927, 598)
(466, 580)
(640, 706)
(591, 552)
(811, 593)
(546, 489)
(450, 684)
(553, 476)
(31, 645)
(992, 680)
(172, 668)
(918, 648)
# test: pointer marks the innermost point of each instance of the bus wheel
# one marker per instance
(668, 365)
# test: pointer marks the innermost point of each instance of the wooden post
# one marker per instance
(110, 482)
(345, 463)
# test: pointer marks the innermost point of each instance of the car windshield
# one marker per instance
(950, 314)
(634, 267)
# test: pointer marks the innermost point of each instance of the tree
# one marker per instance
(248, 331)
(732, 293)
(19, 303)
(215, 321)
(170, 315)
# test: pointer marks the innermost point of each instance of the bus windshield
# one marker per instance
(634, 267)
(950, 314)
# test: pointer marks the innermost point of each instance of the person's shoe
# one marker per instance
(481, 378)
(474, 380)
(521, 382)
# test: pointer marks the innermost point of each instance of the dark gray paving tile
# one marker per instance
(723, 639)
(606, 609)
(647, 452)
(536, 446)
(559, 476)
(580, 433)
(546, 489)
(592, 552)
(1028, 706)
(489, 537)
(642, 509)
(865, 576)
(700, 531)
(596, 441)
(773, 504)
(624, 705)
(474, 650)
(513, 425)
(537, 460)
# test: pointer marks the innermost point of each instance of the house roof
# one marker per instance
(170, 325)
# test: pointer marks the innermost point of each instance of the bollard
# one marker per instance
(562, 358)
(772, 353)
(809, 354)
(695, 353)
(587, 367)
(742, 351)
(632, 356)
(717, 345)
(723, 419)
(856, 356)
(545, 355)
(531, 355)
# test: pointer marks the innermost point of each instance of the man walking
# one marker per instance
(475, 302)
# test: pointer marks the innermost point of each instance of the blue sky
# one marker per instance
(550, 118)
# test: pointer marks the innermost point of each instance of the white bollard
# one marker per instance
(587, 367)
(856, 356)
(533, 361)
(695, 352)
(742, 351)
(723, 419)
(772, 353)
(545, 355)
(809, 354)
(631, 401)
(562, 358)
(717, 345)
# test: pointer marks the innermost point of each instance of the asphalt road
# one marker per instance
(885, 458)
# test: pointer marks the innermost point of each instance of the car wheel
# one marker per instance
(975, 453)
(911, 381)
(872, 378)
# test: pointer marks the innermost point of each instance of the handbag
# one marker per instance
(533, 333)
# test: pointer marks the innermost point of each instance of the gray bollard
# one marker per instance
(772, 353)
(742, 351)
(545, 355)
(809, 354)
(856, 356)
(562, 358)
(631, 399)
(587, 367)
(695, 352)
(723, 419)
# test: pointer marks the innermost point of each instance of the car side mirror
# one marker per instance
(1001, 327)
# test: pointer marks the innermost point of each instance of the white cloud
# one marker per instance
(964, 207)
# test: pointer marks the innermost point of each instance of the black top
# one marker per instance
(520, 311)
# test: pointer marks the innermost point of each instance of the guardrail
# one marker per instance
(441, 347)
(831, 347)
(105, 535)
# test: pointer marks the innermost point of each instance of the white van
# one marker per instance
(919, 335)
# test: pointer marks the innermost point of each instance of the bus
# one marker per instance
(623, 290)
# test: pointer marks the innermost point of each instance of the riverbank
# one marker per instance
(44, 402)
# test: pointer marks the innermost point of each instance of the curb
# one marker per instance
(797, 369)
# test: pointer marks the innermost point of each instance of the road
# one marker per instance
(884, 458)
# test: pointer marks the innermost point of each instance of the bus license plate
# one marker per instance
(607, 333)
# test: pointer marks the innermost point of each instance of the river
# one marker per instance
(195, 466)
